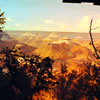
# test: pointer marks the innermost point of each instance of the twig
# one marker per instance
(95, 28)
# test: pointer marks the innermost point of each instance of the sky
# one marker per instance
(49, 15)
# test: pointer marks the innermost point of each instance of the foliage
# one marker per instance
(63, 91)
(79, 86)
(2, 20)
(26, 75)
(89, 81)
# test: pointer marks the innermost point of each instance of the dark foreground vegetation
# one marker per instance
(79, 86)
(22, 76)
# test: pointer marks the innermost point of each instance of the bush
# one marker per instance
(79, 86)
(23, 75)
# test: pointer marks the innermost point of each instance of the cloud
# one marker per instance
(7, 27)
(83, 25)
(60, 24)
(23, 27)
(34, 28)
(84, 22)
(10, 19)
(96, 25)
(63, 25)
(49, 21)
(18, 25)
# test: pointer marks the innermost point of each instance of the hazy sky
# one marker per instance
(49, 15)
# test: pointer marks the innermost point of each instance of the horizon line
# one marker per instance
(50, 31)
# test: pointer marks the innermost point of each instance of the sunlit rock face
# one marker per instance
(64, 50)
(28, 36)
(4, 36)
(7, 41)
(57, 51)
(31, 39)
(52, 36)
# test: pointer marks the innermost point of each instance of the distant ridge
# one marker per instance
(43, 31)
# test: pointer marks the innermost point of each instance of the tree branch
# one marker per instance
(95, 50)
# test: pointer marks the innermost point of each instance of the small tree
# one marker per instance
(2, 20)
